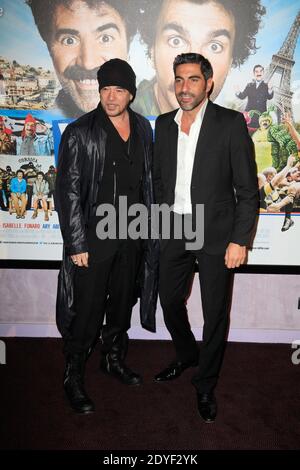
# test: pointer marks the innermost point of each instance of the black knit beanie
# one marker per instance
(117, 72)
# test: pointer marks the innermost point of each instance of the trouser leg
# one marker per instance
(23, 204)
(175, 282)
(29, 191)
(7, 196)
(15, 201)
(2, 205)
(121, 290)
(90, 291)
(215, 282)
(114, 338)
(90, 294)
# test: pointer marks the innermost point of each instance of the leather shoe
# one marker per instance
(287, 224)
(207, 406)
(174, 370)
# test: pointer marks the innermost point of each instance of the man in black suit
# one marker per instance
(203, 155)
(257, 92)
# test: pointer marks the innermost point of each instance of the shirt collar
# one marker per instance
(199, 116)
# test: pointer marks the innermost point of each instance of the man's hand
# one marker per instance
(81, 259)
(235, 255)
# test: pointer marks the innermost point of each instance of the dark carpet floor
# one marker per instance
(258, 396)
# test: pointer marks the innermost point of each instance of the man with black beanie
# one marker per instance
(104, 155)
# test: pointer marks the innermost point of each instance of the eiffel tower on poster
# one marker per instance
(280, 69)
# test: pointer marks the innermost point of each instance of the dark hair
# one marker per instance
(257, 66)
(40, 173)
(43, 11)
(20, 171)
(194, 58)
(247, 15)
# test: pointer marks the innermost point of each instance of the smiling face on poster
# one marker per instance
(81, 35)
(82, 39)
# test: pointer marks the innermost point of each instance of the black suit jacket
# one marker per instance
(223, 179)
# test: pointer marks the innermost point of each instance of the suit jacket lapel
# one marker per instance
(205, 136)
(172, 156)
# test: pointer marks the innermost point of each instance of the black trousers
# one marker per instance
(106, 289)
(176, 277)
(29, 191)
(2, 205)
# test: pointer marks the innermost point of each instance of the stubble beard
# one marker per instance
(115, 112)
(193, 104)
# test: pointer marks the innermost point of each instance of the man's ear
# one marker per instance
(209, 86)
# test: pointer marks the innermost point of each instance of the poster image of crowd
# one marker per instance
(50, 52)
(29, 227)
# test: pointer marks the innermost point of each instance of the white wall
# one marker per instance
(264, 307)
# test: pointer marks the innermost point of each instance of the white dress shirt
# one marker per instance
(186, 148)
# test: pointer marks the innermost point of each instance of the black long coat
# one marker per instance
(79, 175)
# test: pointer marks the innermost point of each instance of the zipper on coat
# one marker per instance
(115, 183)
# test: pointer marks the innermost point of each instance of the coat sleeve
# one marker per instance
(157, 180)
(148, 276)
(243, 94)
(244, 182)
(67, 193)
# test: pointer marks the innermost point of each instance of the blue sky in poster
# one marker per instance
(276, 24)
(19, 38)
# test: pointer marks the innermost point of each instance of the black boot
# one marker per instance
(74, 384)
(112, 362)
